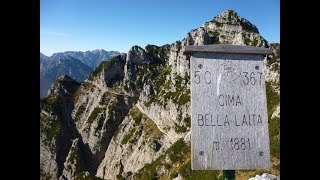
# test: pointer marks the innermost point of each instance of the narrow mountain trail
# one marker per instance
(109, 90)
(141, 109)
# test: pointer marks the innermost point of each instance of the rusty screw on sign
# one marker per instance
(201, 153)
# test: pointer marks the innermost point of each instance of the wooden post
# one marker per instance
(229, 175)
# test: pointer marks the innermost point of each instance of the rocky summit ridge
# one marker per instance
(130, 119)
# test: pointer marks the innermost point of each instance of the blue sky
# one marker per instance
(81, 25)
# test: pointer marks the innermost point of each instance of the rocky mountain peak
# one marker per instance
(136, 55)
(230, 17)
(64, 84)
(227, 28)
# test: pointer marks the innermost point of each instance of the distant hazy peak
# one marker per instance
(42, 56)
(98, 50)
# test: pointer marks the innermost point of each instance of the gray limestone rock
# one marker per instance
(276, 113)
(74, 163)
(265, 176)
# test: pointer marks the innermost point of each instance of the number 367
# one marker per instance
(252, 78)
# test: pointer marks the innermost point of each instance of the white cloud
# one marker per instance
(54, 33)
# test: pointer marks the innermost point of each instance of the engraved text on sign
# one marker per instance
(229, 112)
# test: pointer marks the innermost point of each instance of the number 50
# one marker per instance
(206, 77)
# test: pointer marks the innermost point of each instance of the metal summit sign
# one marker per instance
(229, 128)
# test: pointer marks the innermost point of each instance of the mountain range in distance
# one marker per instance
(75, 64)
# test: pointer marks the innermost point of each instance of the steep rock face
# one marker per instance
(273, 67)
(56, 127)
(109, 73)
(131, 116)
(136, 62)
(147, 69)
(74, 163)
(159, 98)
(198, 36)
(137, 141)
(100, 107)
